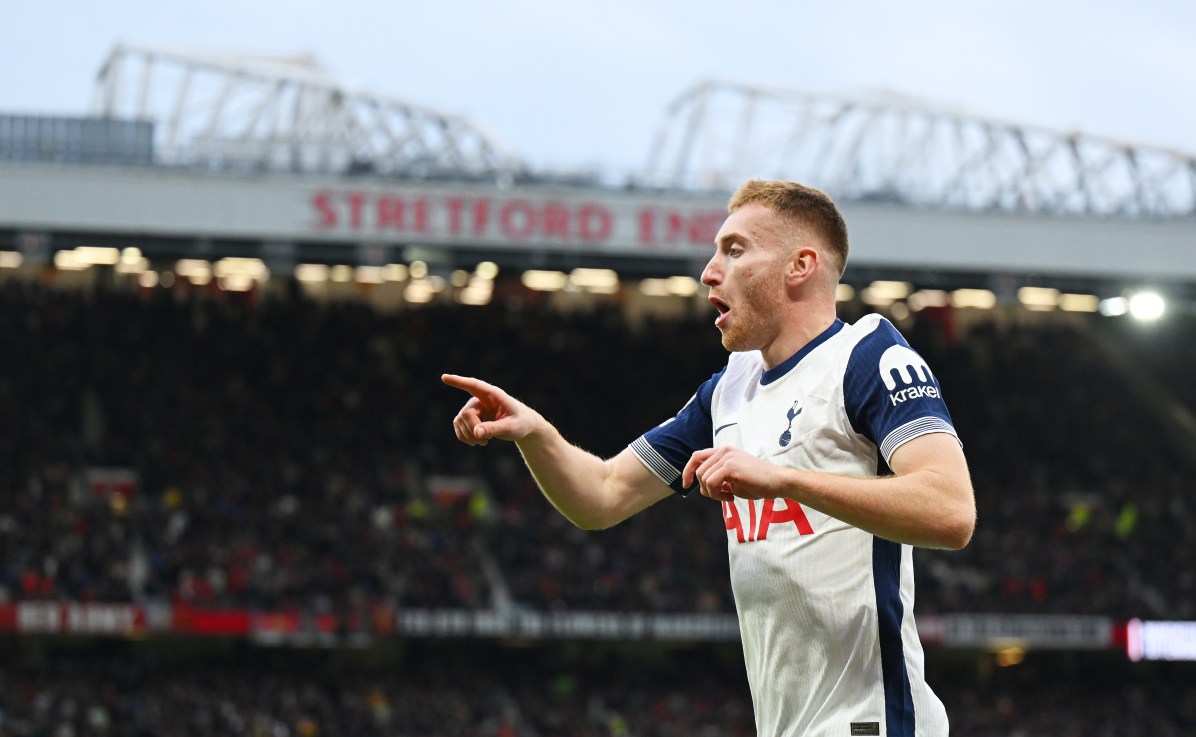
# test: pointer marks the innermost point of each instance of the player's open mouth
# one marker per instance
(723, 308)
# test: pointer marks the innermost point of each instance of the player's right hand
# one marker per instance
(490, 413)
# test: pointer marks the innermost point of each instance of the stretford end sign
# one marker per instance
(519, 220)
(40, 200)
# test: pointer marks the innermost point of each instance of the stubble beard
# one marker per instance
(747, 329)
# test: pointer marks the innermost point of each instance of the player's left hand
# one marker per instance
(725, 473)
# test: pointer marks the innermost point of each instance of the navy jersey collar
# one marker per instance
(770, 375)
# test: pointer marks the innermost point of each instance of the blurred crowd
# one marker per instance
(286, 452)
(529, 692)
(288, 695)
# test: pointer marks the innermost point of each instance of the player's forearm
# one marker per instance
(572, 479)
(926, 508)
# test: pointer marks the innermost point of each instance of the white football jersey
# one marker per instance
(825, 609)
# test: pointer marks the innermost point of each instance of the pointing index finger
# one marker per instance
(476, 387)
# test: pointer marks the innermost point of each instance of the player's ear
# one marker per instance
(802, 264)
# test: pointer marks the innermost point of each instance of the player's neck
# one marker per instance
(804, 323)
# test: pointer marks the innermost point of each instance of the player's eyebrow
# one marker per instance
(728, 239)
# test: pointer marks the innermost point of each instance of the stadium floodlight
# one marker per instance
(369, 275)
(395, 272)
(311, 273)
(97, 255)
(1038, 298)
(983, 299)
(682, 286)
(197, 271)
(477, 292)
(132, 267)
(654, 287)
(545, 281)
(1147, 306)
(1114, 306)
(1079, 302)
(599, 281)
(924, 298)
(236, 282)
(486, 270)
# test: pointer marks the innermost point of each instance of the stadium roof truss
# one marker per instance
(286, 114)
(888, 148)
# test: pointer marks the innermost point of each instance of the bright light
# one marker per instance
(418, 269)
(844, 293)
(394, 272)
(682, 286)
(1038, 297)
(870, 296)
(477, 292)
(130, 255)
(341, 273)
(979, 298)
(487, 270)
(254, 268)
(97, 255)
(1147, 306)
(924, 298)
(1010, 656)
(236, 282)
(10, 259)
(138, 266)
(197, 271)
(545, 281)
(148, 279)
(421, 291)
(1079, 302)
(69, 261)
(889, 290)
(602, 281)
(459, 278)
(654, 287)
(1114, 306)
(369, 275)
(311, 273)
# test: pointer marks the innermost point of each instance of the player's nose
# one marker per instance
(712, 275)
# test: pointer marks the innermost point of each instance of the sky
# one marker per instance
(585, 85)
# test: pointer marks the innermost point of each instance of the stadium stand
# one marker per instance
(287, 454)
(283, 453)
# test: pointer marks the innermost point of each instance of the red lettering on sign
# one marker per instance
(455, 205)
(391, 211)
(356, 200)
(595, 223)
(323, 204)
(481, 216)
(517, 219)
(698, 229)
(421, 215)
(647, 223)
(555, 220)
(731, 520)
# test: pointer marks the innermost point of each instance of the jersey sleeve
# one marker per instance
(666, 448)
(890, 393)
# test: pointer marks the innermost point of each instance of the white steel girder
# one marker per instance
(287, 114)
(888, 148)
